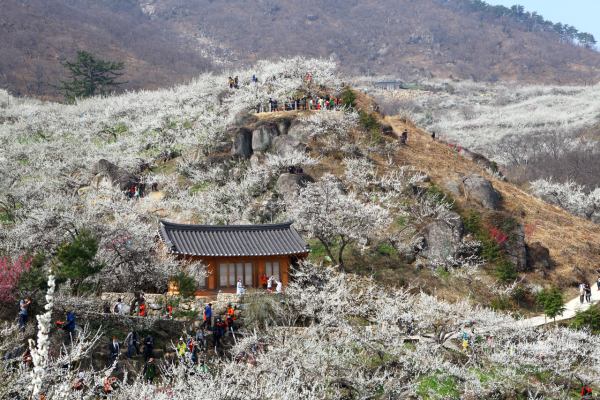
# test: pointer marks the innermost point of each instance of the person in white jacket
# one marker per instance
(240, 287)
(270, 283)
(279, 286)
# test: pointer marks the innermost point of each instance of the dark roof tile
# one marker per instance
(232, 240)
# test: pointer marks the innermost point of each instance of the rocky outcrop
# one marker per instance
(452, 187)
(301, 131)
(263, 134)
(515, 248)
(257, 159)
(288, 185)
(283, 125)
(481, 190)
(109, 174)
(244, 119)
(538, 257)
(242, 143)
(286, 144)
(441, 238)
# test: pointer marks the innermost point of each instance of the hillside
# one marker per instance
(36, 35)
(405, 39)
(412, 246)
(164, 42)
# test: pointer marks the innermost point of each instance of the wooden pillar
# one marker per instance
(284, 271)
(211, 269)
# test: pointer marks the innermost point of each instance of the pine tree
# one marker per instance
(505, 271)
(552, 301)
(90, 76)
(348, 98)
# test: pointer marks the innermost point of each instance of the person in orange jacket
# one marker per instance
(586, 391)
(230, 316)
(143, 309)
(108, 384)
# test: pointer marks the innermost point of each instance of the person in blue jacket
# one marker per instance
(71, 324)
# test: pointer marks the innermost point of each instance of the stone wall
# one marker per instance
(156, 305)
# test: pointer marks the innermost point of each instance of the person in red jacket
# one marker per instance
(586, 391)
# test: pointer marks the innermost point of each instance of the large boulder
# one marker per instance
(242, 143)
(244, 118)
(263, 134)
(515, 247)
(301, 131)
(108, 174)
(481, 190)
(286, 144)
(283, 125)
(440, 239)
(452, 187)
(288, 185)
(538, 257)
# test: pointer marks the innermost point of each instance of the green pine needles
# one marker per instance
(90, 77)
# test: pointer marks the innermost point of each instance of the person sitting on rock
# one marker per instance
(299, 169)
(292, 169)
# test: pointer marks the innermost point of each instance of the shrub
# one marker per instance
(501, 303)
(552, 301)
(450, 89)
(501, 225)
(472, 222)
(348, 98)
(505, 271)
(589, 318)
(368, 121)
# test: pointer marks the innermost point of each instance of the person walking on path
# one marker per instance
(235, 83)
(113, 349)
(207, 316)
(404, 137)
(588, 293)
(240, 287)
(581, 292)
(598, 282)
(218, 329)
(131, 341)
(150, 370)
(149, 343)
(230, 83)
(23, 312)
(433, 136)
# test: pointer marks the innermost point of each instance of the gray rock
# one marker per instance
(218, 161)
(262, 136)
(516, 250)
(244, 119)
(257, 159)
(453, 188)
(481, 190)
(242, 143)
(301, 131)
(113, 175)
(126, 309)
(286, 144)
(289, 184)
(442, 237)
(283, 125)
(155, 306)
(538, 257)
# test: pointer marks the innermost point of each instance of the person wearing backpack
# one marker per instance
(207, 316)
(118, 309)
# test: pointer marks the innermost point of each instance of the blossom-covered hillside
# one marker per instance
(446, 248)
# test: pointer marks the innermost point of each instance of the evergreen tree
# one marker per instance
(348, 98)
(552, 301)
(76, 260)
(505, 271)
(90, 76)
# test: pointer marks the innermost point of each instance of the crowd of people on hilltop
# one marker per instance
(303, 104)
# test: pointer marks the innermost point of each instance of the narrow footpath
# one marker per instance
(572, 308)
